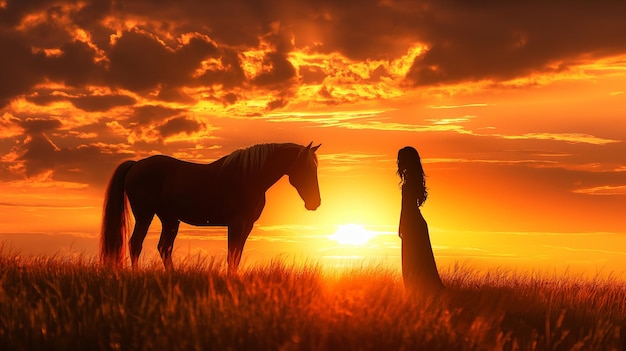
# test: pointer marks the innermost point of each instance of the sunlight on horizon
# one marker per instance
(352, 234)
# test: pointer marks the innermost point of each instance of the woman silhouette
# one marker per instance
(419, 270)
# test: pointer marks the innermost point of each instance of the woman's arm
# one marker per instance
(403, 205)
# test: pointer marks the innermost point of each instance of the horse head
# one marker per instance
(303, 177)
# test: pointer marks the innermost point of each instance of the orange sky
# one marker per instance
(517, 110)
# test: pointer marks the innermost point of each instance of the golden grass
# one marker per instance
(64, 304)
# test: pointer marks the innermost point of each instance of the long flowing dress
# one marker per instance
(419, 269)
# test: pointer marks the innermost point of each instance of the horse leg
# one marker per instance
(237, 235)
(166, 242)
(136, 240)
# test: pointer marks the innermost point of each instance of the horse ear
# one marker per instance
(309, 146)
(314, 148)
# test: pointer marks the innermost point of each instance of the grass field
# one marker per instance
(76, 304)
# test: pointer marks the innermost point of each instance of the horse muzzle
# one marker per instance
(312, 206)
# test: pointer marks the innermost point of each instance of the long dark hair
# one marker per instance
(411, 172)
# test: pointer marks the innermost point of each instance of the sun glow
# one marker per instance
(352, 234)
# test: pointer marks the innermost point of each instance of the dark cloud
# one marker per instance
(174, 95)
(39, 125)
(91, 13)
(91, 18)
(75, 66)
(312, 74)
(90, 164)
(138, 61)
(231, 23)
(280, 41)
(16, 10)
(19, 67)
(505, 40)
(361, 30)
(326, 96)
(278, 72)
(48, 32)
(84, 101)
(379, 73)
(274, 104)
(179, 125)
(45, 97)
(101, 102)
(144, 115)
(229, 76)
(229, 99)
(38, 155)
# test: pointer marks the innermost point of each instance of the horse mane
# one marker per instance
(251, 160)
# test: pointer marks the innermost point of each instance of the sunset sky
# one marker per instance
(518, 109)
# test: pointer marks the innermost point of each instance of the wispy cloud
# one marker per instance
(374, 120)
(400, 127)
(491, 161)
(603, 190)
(324, 118)
(540, 233)
(342, 162)
(445, 107)
(44, 206)
(585, 250)
(45, 181)
(363, 120)
(566, 137)
(456, 120)
(291, 228)
(584, 167)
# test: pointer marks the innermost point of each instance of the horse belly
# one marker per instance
(202, 208)
(218, 210)
(204, 221)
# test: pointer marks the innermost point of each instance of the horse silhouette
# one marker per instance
(228, 192)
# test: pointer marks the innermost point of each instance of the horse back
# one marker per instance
(158, 178)
(198, 194)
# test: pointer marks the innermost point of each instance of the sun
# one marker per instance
(352, 234)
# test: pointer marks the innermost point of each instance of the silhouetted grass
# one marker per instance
(64, 304)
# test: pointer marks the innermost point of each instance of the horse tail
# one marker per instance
(115, 217)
